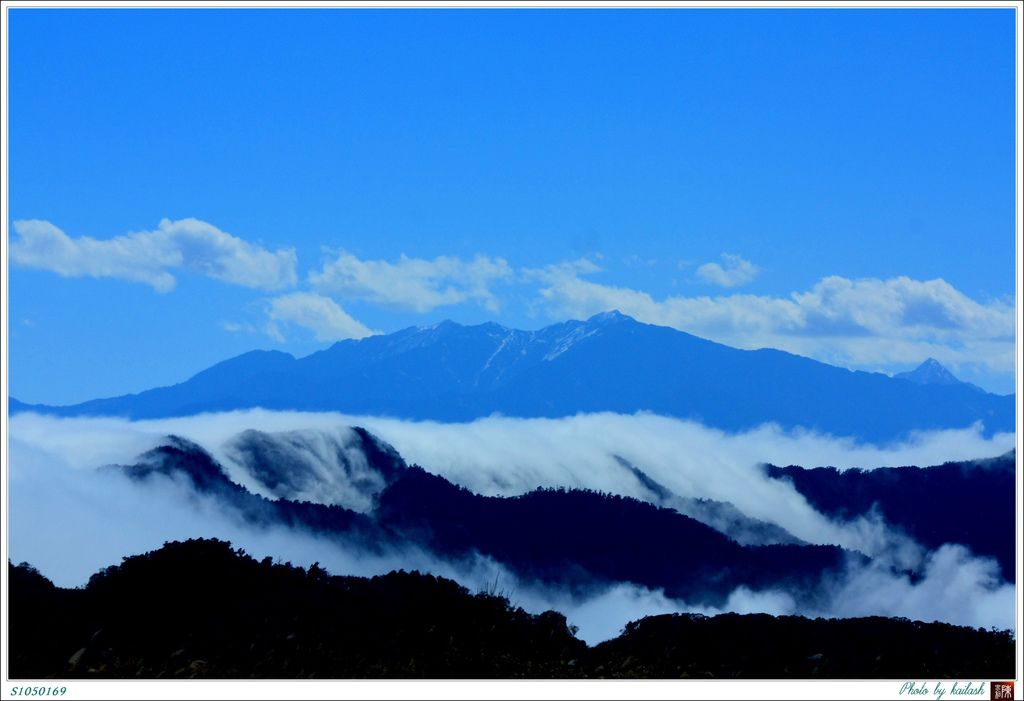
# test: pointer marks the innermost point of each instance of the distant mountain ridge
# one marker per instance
(610, 362)
(932, 372)
(573, 538)
(906, 496)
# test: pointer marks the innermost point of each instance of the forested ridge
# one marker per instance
(201, 609)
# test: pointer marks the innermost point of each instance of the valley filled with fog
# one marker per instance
(74, 511)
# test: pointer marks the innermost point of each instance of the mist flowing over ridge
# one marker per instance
(610, 362)
(231, 476)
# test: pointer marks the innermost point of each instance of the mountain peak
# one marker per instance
(613, 316)
(441, 325)
(930, 372)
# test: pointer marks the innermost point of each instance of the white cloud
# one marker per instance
(868, 323)
(734, 271)
(955, 587)
(236, 327)
(151, 256)
(414, 283)
(321, 315)
(509, 456)
(70, 520)
(53, 483)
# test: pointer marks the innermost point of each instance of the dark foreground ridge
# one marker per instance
(199, 609)
(981, 491)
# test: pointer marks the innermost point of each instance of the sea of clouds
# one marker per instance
(69, 519)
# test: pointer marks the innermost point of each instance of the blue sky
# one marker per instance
(187, 185)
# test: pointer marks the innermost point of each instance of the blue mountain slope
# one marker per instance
(610, 362)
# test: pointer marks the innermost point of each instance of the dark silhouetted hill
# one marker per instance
(971, 503)
(199, 609)
(760, 646)
(571, 538)
(577, 537)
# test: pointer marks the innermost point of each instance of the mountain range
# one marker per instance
(577, 538)
(610, 362)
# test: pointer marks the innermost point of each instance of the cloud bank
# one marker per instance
(414, 283)
(954, 587)
(507, 456)
(732, 272)
(868, 323)
(69, 519)
(321, 315)
(150, 257)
